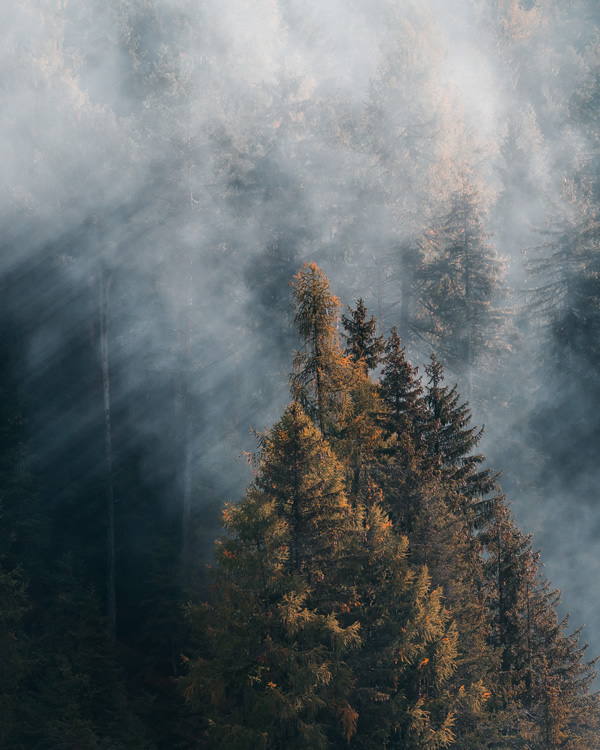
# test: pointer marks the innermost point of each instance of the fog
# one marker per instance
(196, 154)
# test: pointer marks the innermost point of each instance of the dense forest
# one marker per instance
(237, 510)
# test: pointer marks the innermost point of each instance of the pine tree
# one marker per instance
(322, 373)
(463, 285)
(359, 433)
(401, 455)
(401, 390)
(451, 503)
(403, 668)
(319, 629)
(335, 624)
(363, 346)
(450, 438)
(275, 672)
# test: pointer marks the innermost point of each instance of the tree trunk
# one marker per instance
(186, 414)
(104, 292)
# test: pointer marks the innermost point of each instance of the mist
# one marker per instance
(195, 155)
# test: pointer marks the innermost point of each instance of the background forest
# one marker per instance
(168, 168)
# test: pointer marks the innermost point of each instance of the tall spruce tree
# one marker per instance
(401, 455)
(363, 346)
(462, 287)
(441, 506)
(450, 437)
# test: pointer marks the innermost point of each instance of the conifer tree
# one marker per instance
(401, 455)
(400, 388)
(450, 437)
(319, 631)
(542, 694)
(359, 433)
(321, 372)
(442, 507)
(335, 624)
(363, 346)
(403, 668)
(462, 285)
(275, 673)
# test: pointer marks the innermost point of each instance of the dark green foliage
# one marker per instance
(402, 454)
(450, 438)
(363, 346)
(436, 493)
(542, 694)
(401, 390)
(463, 285)
(16, 663)
(76, 691)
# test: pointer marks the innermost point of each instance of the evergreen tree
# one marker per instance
(463, 284)
(321, 371)
(400, 388)
(401, 455)
(275, 670)
(449, 505)
(363, 346)
(319, 630)
(450, 438)
(404, 667)
(542, 694)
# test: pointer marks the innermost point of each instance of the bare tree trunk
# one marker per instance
(186, 514)
(103, 293)
(186, 329)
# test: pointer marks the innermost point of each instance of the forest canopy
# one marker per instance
(363, 230)
(372, 588)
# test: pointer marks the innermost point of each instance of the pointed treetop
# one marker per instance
(317, 309)
(362, 344)
(451, 438)
(401, 389)
(321, 372)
